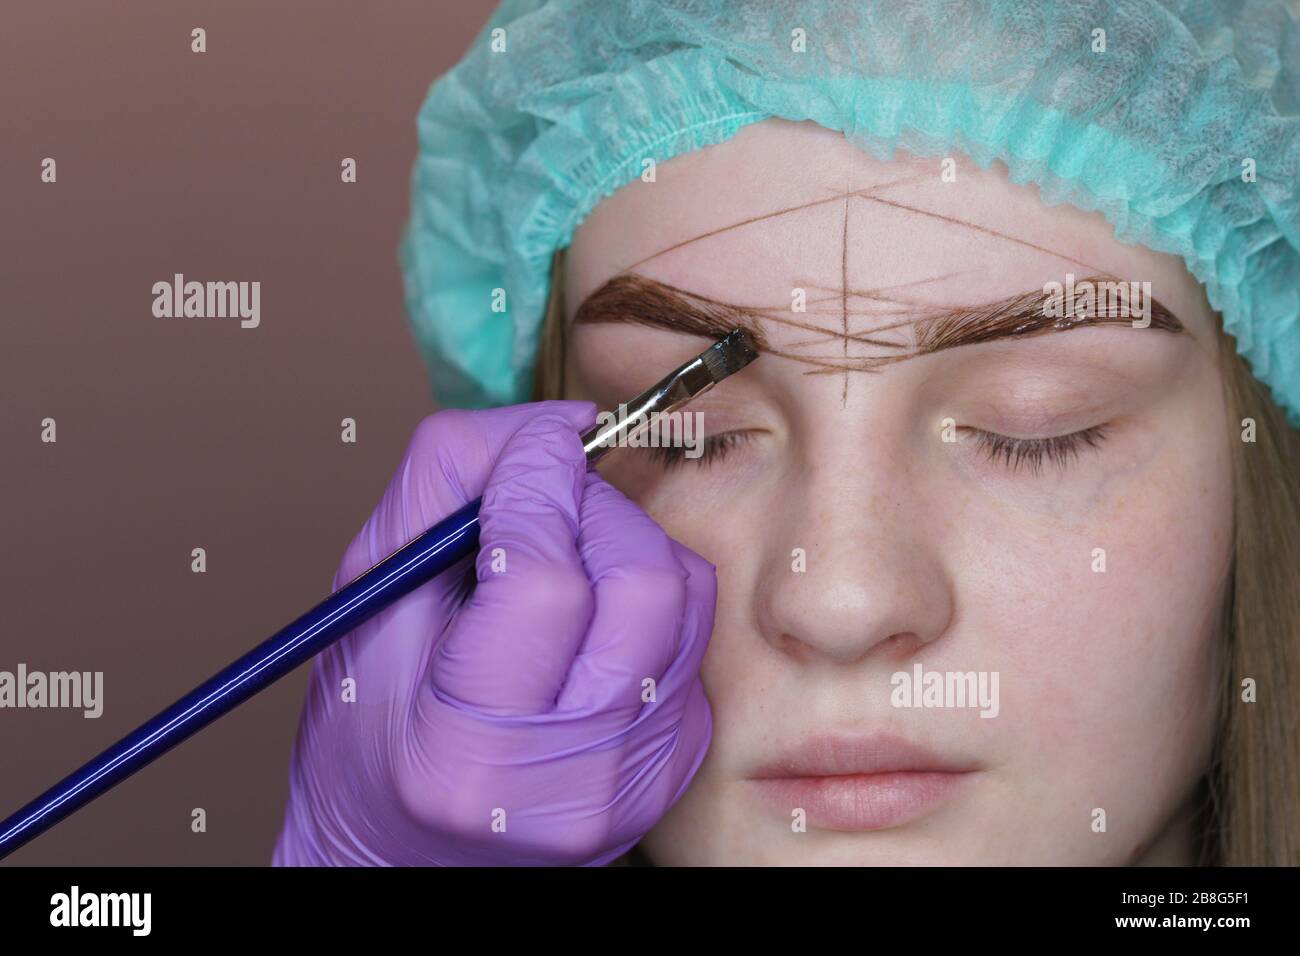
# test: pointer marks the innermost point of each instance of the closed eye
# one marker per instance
(712, 450)
(1031, 453)
(1016, 454)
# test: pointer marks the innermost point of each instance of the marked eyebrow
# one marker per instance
(872, 194)
(639, 300)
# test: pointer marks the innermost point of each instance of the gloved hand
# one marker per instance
(506, 724)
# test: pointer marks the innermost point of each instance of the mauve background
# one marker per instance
(173, 433)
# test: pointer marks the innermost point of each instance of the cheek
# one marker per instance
(1109, 625)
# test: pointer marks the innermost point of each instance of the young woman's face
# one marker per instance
(874, 535)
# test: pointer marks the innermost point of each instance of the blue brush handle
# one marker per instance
(437, 549)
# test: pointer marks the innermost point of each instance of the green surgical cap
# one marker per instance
(1176, 120)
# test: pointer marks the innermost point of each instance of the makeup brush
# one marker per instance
(450, 540)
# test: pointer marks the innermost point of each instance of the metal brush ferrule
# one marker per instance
(672, 392)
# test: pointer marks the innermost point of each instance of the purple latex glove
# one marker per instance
(503, 722)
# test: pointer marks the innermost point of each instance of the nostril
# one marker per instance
(900, 645)
(896, 647)
(791, 646)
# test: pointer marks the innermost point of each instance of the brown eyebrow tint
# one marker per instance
(639, 300)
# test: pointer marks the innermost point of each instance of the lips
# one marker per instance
(859, 783)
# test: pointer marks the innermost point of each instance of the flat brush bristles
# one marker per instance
(729, 355)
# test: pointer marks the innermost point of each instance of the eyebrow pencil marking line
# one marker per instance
(776, 314)
(875, 292)
(844, 299)
(871, 297)
(977, 228)
(879, 187)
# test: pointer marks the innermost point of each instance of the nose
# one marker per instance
(853, 569)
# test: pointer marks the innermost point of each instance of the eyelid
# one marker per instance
(1033, 415)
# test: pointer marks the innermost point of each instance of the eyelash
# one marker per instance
(713, 449)
(1015, 453)
(1030, 453)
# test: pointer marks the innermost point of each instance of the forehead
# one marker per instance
(784, 206)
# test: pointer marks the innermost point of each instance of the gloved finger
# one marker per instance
(446, 465)
(640, 596)
(510, 647)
